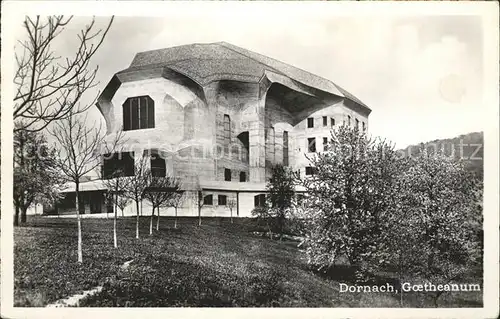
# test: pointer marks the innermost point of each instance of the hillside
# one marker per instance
(468, 147)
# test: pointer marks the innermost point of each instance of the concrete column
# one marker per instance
(257, 143)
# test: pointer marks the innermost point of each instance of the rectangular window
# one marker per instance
(134, 113)
(348, 120)
(227, 175)
(227, 133)
(310, 122)
(325, 143)
(310, 170)
(325, 121)
(222, 200)
(285, 148)
(364, 126)
(208, 200)
(243, 176)
(122, 163)
(311, 145)
(332, 122)
(259, 200)
(158, 167)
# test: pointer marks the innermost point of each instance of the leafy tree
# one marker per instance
(281, 192)
(347, 201)
(35, 172)
(437, 209)
(159, 192)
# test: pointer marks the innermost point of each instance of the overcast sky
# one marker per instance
(421, 76)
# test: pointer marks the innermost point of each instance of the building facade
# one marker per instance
(218, 117)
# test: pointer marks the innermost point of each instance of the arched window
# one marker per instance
(348, 120)
(138, 113)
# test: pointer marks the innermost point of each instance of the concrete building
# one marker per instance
(218, 117)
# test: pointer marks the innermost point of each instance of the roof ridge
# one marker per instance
(225, 44)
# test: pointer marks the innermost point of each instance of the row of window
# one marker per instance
(208, 200)
(227, 175)
(311, 144)
(310, 122)
(124, 163)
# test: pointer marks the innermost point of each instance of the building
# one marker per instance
(218, 117)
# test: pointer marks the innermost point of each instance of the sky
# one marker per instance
(420, 75)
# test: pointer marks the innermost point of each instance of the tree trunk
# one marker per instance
(158, 220)
(115, 239)
(151, 222)
(137, 220)
(23, 214)
(175, 219)
(80, 253)
(16, 216)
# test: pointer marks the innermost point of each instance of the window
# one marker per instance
(208, 200)
(364, 127)
(158, 167)
(325, 144)
(227, 175)
(222, 200)
(311, 145)
(138, 113)
(243, 176)
(122, 163)
(285, 148)
(310, 170)
(357, 124)
(259, 200)
(332, 122)
(349, 120)
(227, 132)
(310, 122)
(325, 121)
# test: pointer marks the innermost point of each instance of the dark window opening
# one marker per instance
(348, 120)
(285, 148)
(325, 143)
(325, 121)
(138, 113)
(357, 124)
(208, 200)
(118, 163)
(364, 126)
(243, 176)
(332, 122)
(158, 166)
(311, 145)
(310, 170)
(227, 175)
(222, 200)
(259, 200)
(310, 122)
(227, 133)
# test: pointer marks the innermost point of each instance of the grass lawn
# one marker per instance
(217, 264)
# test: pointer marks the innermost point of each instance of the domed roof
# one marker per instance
(208, 62)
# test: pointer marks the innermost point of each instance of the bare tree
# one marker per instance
(176, 201)
(115, 185)
(159, 191)
(231, 204)
(136, 186)
(49, 86)
(79, 147)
